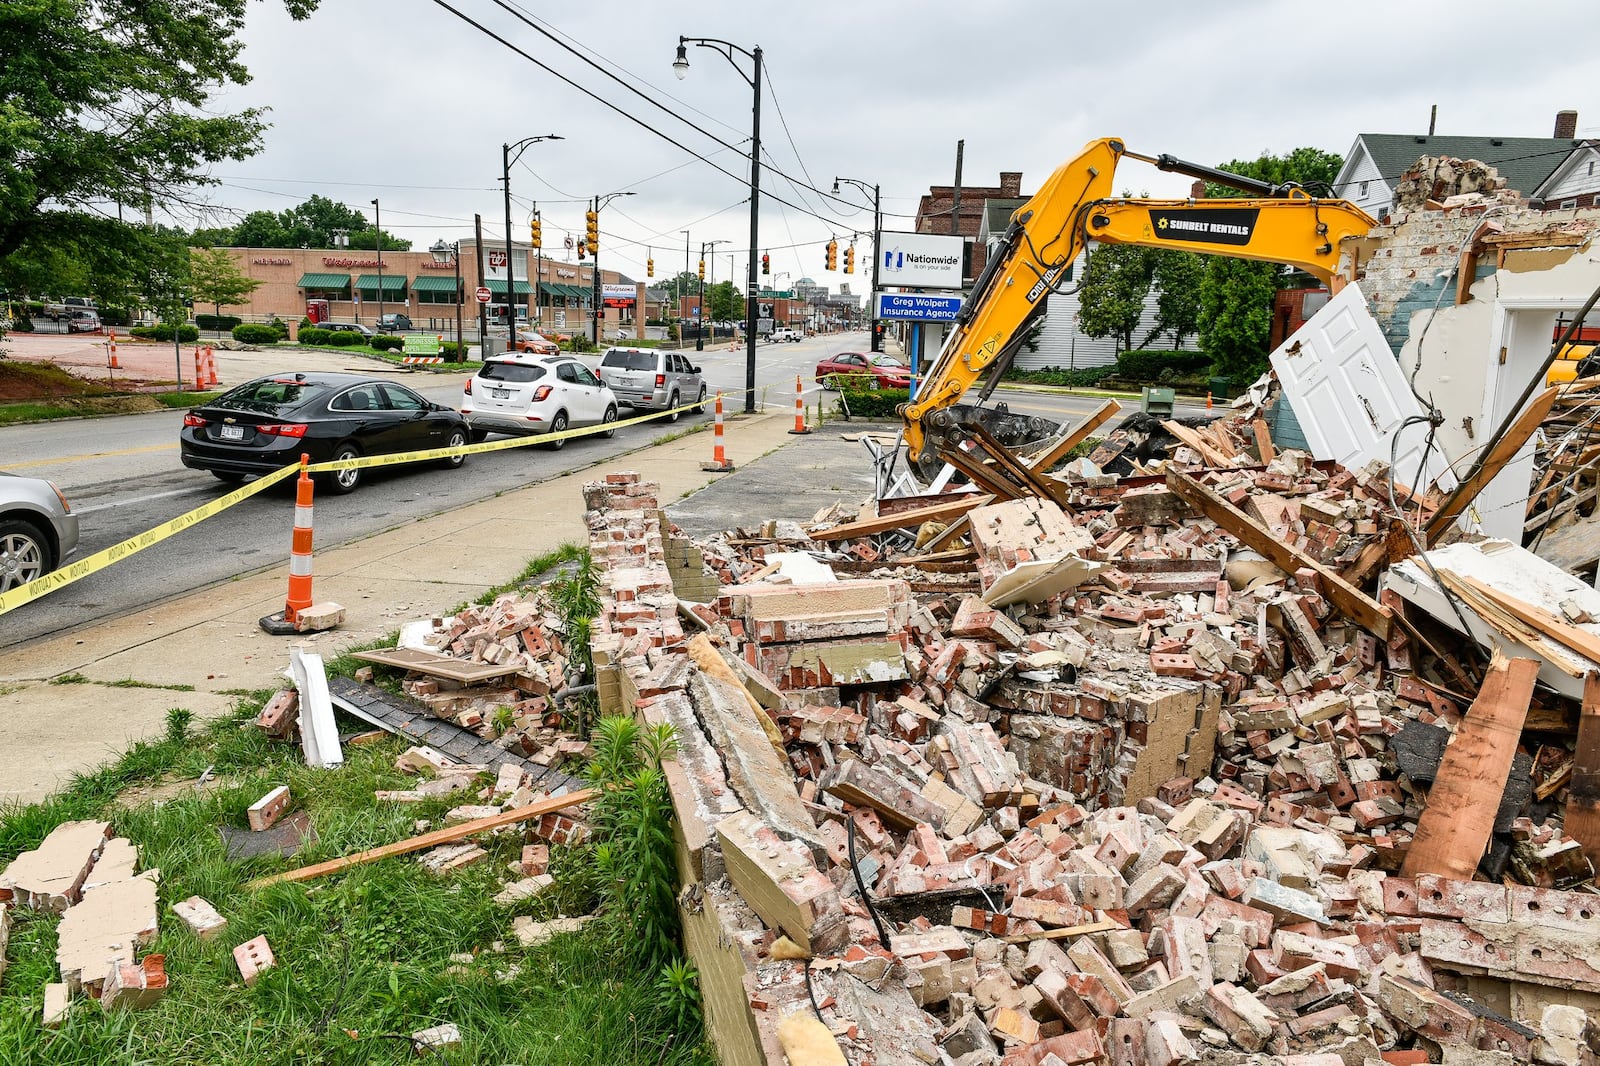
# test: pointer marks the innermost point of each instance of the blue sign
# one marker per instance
(917, 307)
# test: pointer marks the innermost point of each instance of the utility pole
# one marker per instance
(680, 285)
(377, 241)
(955, 202)
(538, 276)
(594, 267)
(483, 325)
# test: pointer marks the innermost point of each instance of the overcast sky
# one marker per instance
(402, 100)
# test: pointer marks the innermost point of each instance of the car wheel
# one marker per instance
(673, 414)
(558, 424)
(344, 481)
(24, 554)
(228, 477)
(458, 437)
(610, 420)
(700, 405)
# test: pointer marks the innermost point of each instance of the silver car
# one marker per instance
(38, 530)
(650, 380)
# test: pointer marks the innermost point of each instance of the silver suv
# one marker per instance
(651, 380)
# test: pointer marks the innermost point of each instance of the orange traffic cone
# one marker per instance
(113, 352)
(299, 598)
(719, 458)
(799, 408)
(211, 367)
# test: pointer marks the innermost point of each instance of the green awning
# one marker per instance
(431, 283)
(324, 281)
(391, 283)
(571, 292)
(498, 287)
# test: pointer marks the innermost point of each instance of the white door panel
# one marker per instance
(1350, 395)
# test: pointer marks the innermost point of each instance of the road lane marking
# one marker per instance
(146, 450)
(135, 499)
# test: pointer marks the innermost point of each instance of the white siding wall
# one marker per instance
(1582, 175)
(1063, 346)
(1379, 194)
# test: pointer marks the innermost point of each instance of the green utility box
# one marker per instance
(1157, 401)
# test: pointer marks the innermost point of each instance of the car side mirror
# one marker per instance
(695, 370)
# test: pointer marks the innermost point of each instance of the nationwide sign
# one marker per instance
(920, 260)
(1208, 225)
(916, 307)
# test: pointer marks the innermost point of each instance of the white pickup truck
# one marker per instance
(784, 333)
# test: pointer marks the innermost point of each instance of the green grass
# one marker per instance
(368, 950)
(186, 399)
(130, 682)
(93, 405)
(538, 565)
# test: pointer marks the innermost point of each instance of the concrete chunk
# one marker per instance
(106, 927)
(781, 883)
(51, 876)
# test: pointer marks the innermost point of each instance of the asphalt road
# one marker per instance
(123, 476)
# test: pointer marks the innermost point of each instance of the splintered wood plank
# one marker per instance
(1264, 440)
(1208, 451)
(1454, 829)
(905, 519)
(1074, 437)
(1357, 605)
(428, 840)
(1503, 452)
(1583, 800)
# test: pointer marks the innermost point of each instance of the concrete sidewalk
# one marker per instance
(209, 639)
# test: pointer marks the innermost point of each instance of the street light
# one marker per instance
(377, 242)
(440, 249)
(680, 67)
(700, 334)
(506, 159)
(877, 252)
(594, 262)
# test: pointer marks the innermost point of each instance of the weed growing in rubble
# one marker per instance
(576, 598)
(633, 850)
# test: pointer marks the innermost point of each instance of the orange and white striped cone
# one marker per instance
(1208, 401)
(299, 598)
(199, 369)
(211, 367)
(112, 352)
(719, 459)
(799, 408)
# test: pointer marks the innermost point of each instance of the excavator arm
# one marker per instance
(1285, 225)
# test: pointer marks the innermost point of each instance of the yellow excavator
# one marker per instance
(1279, 224)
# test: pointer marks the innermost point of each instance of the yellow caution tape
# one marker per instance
(82, 568)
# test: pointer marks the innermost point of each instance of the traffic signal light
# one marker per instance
(850, 260)
(649, 268)
(766, 263)
(592, 231)
(536, 233)
(833, 255)
(702, 270)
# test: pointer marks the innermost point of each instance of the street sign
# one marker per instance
(921, 260)
(916, 307)
(561, 318)
(483, 294)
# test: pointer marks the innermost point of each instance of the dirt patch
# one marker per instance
(21, 382)
(168, 788)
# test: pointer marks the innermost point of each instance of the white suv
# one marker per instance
(524, 394)
(784, 333)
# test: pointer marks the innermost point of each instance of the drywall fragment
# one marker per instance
(51, 876)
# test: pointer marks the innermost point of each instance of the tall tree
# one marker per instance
(1115, 284)
(1178, 276)
(725, 301)
(1237, 295)
(109, 102)
(215, 278)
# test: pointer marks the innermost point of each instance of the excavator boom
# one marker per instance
(1075, 205)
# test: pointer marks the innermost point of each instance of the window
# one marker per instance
(431, 296)
(361, 398)
(333, 295)
(520, 373)
(1569, 203)
(584, 375)
(403, 399)
(1361, 190)
(567, 372)
(629, 359)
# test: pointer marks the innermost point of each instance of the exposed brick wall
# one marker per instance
(933, 213)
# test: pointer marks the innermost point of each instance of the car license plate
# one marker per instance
(500, 394)
(231, 432)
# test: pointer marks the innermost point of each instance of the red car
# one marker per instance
(887, 371)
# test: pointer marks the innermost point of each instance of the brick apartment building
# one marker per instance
(423, 286)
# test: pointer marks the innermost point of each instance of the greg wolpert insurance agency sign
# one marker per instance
(919, 261)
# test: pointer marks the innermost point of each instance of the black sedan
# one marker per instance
(267, 423)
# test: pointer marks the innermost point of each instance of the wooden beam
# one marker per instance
(1264, 446)
(1455, 827)
(1559, 630)
(1207, 451)
(433, 839)
(936, 513)
(1060, 934)
(1075, 436)
(1356, 605)
(1583, 800)
(1004, 460)
(1504, 450)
